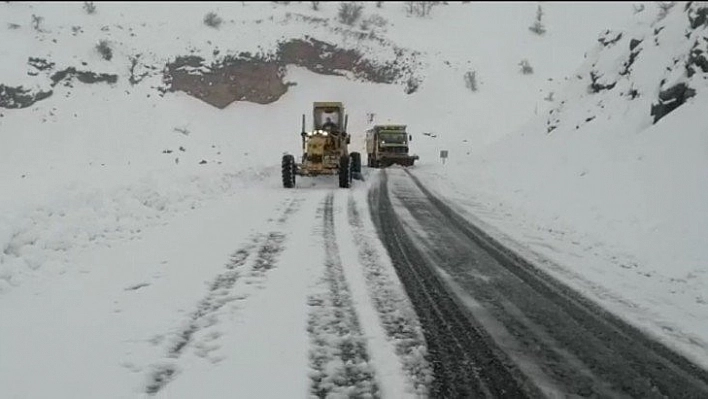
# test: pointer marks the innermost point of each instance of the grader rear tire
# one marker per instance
(288, 169)
(345, 172)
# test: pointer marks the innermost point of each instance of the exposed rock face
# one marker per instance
(242, 78)
(82, 76)
(695, 62)
(20, 97)
(697, 14)
(596, 86)
(259, 79)
(673, 64)
(670, 99)
(325, 58)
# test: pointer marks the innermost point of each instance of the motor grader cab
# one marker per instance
(324, 148)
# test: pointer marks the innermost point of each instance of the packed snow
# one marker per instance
(148, 246)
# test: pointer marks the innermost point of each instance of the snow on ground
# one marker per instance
(109, 315)
(169, 311)
(145, 239)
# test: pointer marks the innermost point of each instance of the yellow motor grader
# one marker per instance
(324, 148)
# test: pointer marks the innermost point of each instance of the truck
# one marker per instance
(387, 145)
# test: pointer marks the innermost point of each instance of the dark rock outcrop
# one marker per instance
(597, 86)
(670, 99)
(18, 97)
(82, 76)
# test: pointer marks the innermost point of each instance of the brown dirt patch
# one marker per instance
(325, 58)
(259, 79)
(242, 78)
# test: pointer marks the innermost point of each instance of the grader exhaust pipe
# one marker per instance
(303, 132)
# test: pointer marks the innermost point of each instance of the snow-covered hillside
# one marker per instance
(614, 203)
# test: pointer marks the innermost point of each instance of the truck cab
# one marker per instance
(387, 145)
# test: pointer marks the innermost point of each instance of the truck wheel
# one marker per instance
(288, 166)
(356, 166)
(356, 162)
(345, 172)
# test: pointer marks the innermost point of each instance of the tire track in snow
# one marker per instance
(338, 355)
(220, 293)
(396, 313)
(465, 363)
(568, 344)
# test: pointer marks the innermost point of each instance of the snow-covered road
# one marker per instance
(273, 293)
(382, 290)
(499, 326)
